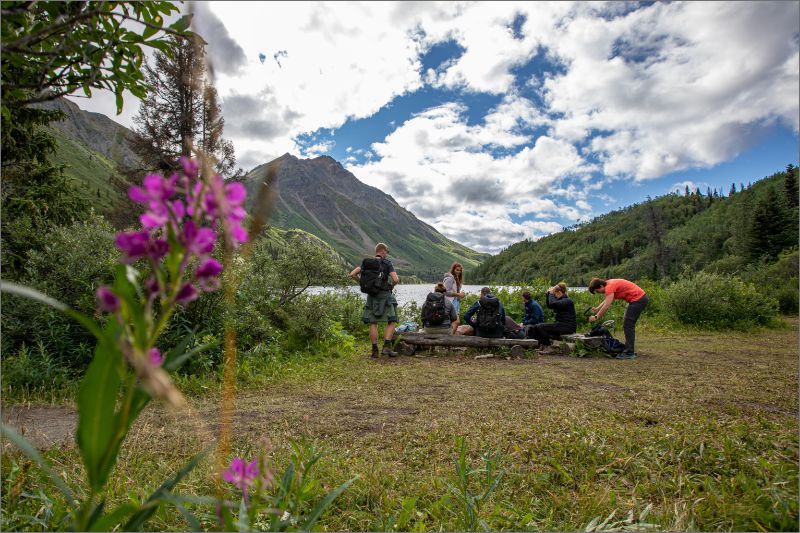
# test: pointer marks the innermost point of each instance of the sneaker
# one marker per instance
(626, 355)
(387, 350)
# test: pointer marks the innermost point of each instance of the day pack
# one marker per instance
(433, 310)
(374, 276)
(610, 345)
(489, 315)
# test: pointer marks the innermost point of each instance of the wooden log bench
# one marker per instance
(589, 342)
(409, 342)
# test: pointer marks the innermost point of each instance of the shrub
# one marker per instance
(715, 302)
(782, 279)
(75, 261)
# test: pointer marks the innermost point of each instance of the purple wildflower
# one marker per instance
(156, 193)
(155, 357)
(186, 294)
(207, 273)
(190, 167)
(133, 245)
(107, 301)
(199, 241)
(223, 202)
(241, 474)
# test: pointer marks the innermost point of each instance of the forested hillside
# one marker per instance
(661, 237)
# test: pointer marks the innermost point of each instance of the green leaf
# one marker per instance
(97, 400)
(112, 519)
(323, 504)
(244, 520)
(149, 31)
(34, 455)
(182, 24)
(119, 100)
(126, 291)
(147, 510)
(174, 364)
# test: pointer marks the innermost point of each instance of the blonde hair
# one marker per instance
(561, 287)
(381, 246)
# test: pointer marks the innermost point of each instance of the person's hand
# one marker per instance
(593, 318)
(461, 294)
(595, 309)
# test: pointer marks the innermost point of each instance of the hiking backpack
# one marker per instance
(433, 310)
(374, 276)
(489, 315)
(610, 344)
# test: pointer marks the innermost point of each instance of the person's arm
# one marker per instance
(601, 309)
(470, 312)
(355, 274)
(538, 314)
(450, 285)
(395, 278)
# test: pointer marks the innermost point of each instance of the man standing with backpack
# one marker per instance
(439, 316)
(490, 316)
(377, 278)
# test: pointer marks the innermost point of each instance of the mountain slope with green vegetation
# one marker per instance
(321, 197)
(662, 237)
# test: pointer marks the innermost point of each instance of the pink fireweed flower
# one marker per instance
(138, 244)
(241, 474)
(206, 274)
(190, 167)
(155, 357)
(186, 294)
(223, 203)
(198, 241)
(107, 301)
(155, 194)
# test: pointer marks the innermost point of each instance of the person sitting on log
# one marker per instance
(490, 315)
(566, 320)
(438, 315)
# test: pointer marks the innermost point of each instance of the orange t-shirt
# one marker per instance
(624, 290)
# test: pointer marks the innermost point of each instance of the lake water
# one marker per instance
(414, 293)
(403, 293)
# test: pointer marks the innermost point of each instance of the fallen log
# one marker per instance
(421, 339)
(589, 342)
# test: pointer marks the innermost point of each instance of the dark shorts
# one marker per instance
(381, 307)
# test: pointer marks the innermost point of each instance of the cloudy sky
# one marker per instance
(500, 121)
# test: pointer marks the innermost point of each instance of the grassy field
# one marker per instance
(700, 432)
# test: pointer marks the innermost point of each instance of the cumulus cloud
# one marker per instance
(224, 53)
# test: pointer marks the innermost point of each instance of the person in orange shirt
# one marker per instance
(620, 289)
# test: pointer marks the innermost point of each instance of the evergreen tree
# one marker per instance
(180, 111)
(733, 189)
(771, 228)
(790, 185)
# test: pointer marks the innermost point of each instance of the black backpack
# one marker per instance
(489, 315)
(374, 276)
(611, 345)
(433, 310)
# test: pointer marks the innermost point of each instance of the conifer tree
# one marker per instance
(790, 185)
(180, 111)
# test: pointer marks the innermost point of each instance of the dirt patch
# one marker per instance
(43, 426)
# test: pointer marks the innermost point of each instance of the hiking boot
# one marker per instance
(374, 354)
(387, 350)
(626, 355)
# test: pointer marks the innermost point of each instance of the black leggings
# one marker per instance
(544, 332)
(629, 321)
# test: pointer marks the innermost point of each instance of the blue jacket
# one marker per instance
(474, 309)
(533, 313)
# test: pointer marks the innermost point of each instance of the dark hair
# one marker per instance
(526, 295)
(439, 288)
(485, 291)
(595, 284)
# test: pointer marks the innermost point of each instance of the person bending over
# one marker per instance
(620, 289)
(566, 322)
